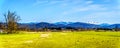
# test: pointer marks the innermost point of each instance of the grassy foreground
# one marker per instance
(86, 39)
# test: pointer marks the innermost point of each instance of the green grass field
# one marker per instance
(85, 39)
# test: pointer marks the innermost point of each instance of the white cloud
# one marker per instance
(96, 7)
(38, 2)
(93, 7)
(102, 17)
(82, 9)
(89, 2)
(104, 14)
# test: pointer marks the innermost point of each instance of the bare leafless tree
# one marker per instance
(11, 22)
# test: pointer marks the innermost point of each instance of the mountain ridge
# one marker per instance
(68, 24)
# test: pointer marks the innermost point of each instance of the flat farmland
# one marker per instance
(82, 39)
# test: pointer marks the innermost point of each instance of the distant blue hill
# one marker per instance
(61, 23)
(67, 24)
(104, 24)
(82, 25)
(114, 26)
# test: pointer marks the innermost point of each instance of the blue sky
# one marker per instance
(89, 11)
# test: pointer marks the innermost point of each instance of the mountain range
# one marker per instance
(67, 24)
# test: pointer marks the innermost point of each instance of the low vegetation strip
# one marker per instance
(88, 39)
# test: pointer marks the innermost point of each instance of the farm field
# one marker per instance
(83, 39)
